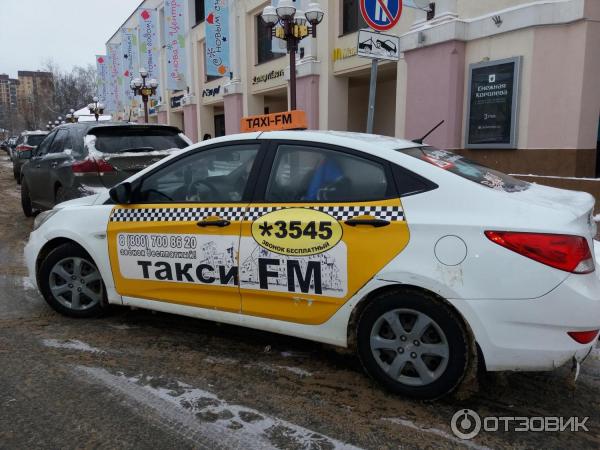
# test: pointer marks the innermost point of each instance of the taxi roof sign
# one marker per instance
(287, 120)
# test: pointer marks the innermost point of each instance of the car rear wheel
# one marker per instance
(17, 175)
(71, 282)
(26, 200)
(60, 196)
(413, 344)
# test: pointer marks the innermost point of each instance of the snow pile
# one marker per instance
(205, 417)
(71, 345)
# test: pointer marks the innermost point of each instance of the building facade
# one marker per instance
(554, 106)
(34, 90)
(8, 102)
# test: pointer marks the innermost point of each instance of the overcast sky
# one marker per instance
(70, 32)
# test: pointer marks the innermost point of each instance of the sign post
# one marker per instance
(380, 15)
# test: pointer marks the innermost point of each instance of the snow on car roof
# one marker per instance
(361, 141)
(348, 138)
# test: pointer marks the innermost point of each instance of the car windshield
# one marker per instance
(465, 168)
(136, 140)
(35, 139)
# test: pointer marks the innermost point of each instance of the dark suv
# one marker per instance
(80, 159)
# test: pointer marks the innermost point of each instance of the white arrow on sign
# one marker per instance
(378, 45)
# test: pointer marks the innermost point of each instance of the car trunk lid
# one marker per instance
(577, 208)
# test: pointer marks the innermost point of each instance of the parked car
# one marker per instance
(4, 146)
(12, 143)
(24, 148)
(76, 160)
(425, 263)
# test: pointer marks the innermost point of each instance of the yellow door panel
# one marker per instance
(180, 253)
(301, 262)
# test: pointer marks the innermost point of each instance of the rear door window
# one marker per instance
(35, 139)
(136, 140)
(45, 145)
(303, 174)
(468, 169)
(59, 142)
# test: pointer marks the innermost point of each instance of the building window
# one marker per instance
(352, 19)
(199, 10)
(263, 37)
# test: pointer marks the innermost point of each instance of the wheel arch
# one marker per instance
(374, 294)
(52, 245)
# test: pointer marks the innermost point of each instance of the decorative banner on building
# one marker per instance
(113, 97)
(130, 65)
(175, 31)
(149, 42)
(217, 37)
(493, 104)
(102, 78)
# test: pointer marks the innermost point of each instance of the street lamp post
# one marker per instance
(139, 87)
(288, 23)
(71, 118)
(96, 108)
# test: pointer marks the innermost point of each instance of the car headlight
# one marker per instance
(42, 217)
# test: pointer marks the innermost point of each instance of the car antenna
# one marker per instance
(420, 141)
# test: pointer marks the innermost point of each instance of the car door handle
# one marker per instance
(377, 223)
(214, 223)
(37, 166)
(54, 165)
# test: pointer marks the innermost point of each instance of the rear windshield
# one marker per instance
(465, 168)
(35, 139)
(136, 140)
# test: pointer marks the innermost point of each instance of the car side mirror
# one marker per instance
(121, 193)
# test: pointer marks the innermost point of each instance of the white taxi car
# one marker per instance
(419, 259)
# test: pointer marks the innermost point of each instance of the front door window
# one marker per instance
(179, 241)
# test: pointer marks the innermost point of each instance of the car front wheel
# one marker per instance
(413, 344)
(71, 282)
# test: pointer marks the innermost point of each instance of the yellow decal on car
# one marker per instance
(297, 232)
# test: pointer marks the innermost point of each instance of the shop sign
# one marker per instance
(343, 53)
(211, 92)
(176, 101)
(492, 115)
(272, 75)
(288, 120)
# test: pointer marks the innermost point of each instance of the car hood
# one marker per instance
(83, 201)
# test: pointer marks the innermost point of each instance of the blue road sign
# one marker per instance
(381, 15)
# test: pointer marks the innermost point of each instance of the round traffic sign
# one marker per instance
(381, 15)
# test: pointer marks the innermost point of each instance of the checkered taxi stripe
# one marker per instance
(175, 214)
(341, 213)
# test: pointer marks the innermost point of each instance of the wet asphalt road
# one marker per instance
(141, 380)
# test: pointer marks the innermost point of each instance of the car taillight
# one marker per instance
(561, 251)
(23, 148)
(91, 165)
(583, 337)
